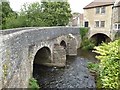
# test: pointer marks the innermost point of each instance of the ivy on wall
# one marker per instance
(86, 43)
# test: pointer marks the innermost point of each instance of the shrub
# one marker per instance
(83, 32)
(86, 44)
(109, 66)
(93, 66)
(33, 84)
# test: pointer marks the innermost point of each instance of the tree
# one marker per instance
(56, 13)
(47, 13)
(6, 12)
(34, 14)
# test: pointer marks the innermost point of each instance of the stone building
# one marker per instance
(116, 19)
(116, 15)
(103, 19)
(76, 20)
(98, 14)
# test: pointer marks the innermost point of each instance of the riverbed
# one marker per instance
(74, 75)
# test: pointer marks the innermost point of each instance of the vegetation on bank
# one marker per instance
(86, 44)
(107, 71)
(33, 84)
(46, 13)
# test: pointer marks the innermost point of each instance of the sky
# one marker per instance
(76, 5)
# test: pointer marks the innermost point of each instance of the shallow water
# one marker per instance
(74, 75)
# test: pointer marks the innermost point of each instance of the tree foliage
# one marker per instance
(56, 13)
(46, 13)
(109, 56)
(6, 12)
(33, 13)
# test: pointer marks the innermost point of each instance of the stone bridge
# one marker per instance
(22, 47)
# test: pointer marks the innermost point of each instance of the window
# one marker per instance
(97, 10)
(103, 10)
(86, 24)
(96, 23)
(100, 10)
(102, 24)
(117, 26)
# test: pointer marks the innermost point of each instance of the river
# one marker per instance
(74, 75)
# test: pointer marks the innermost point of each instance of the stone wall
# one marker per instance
(115, 18)
(18, 48)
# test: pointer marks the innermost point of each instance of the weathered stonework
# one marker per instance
(18, 48)
(116, 19)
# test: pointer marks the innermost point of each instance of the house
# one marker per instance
(98, 16)
(76, 20)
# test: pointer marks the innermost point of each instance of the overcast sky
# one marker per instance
(76, 5)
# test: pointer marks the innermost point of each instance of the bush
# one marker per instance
(83, 32)
(109, 66)
(86, 44)
(33, 84)
(93, 66)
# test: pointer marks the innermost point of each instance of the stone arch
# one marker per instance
(43, 56)
(99, 38)
(63, 43)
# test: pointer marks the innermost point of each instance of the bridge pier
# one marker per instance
(59, 56)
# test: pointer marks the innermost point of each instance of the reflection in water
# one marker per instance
(74, 75)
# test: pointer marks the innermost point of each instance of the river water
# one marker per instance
(74, 75)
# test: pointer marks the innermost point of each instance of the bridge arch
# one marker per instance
(63, 43)
(99, 38)
(42, 56)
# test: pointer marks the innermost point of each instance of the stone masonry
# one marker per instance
(19, 48)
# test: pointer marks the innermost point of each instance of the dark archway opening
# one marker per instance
(99, 38)
(63, 44)
(42, 57)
